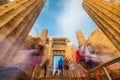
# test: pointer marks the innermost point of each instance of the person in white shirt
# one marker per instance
(51, 70)
(72, 68)
(90, 56)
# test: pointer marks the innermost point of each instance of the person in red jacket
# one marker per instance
(79, 55)
(80, 59)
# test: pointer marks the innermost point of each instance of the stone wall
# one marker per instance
(104, 46)
(100, 42)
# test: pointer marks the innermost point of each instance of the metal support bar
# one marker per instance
(107, 74)
(115, 60)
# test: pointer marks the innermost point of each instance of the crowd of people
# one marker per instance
(85, 56)
(65, 66)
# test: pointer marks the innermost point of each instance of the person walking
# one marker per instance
(72, 68)
(79, 55)
(80, 59)
(66, 67)
(91, 57)
(37, 55)
(45, 67)
(60, 65)
(51, 70)
(34, 61)
(56, 72)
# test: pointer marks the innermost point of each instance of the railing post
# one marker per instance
(106, 73)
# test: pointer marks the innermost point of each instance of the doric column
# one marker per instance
(43, 39)
(73, 50)
(68, 53)
(43, 36)
(16, 20)
(50, 54)
(80, 37)
(107, 17)
(67, 42)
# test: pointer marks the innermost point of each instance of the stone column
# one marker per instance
(107, 16)
(16, 20)
(50, 50)
(43, 36)
(68, 53)
(43, 39)
(50, 56)
(73, 49)
(67, 42)
(80, 37)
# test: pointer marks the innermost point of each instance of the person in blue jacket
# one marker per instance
(60, 65)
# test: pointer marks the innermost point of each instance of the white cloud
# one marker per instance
(71, 15)
(69, 19)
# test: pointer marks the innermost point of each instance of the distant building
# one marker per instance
(59, 46)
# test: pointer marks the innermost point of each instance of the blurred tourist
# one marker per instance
(56, 72)
(45, 67)
(60, 65)
(72, 69)
(66, 67)
(90, 56)
(51, 70)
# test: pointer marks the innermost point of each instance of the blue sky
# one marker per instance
(63, 18)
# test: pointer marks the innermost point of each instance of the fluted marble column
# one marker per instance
(16, 20)
(80, 37)
(107, 17)
(73, 50)
(43, 36)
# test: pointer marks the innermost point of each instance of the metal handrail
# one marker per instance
(117, 59)
(10, 66)
(103, 65)
(81, 67)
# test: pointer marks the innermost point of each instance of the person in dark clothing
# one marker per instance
(66, 67)
(56, 72)
(45, 67)
(45, 70)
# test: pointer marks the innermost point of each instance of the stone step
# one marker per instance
(61, 78)
(69, 78)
